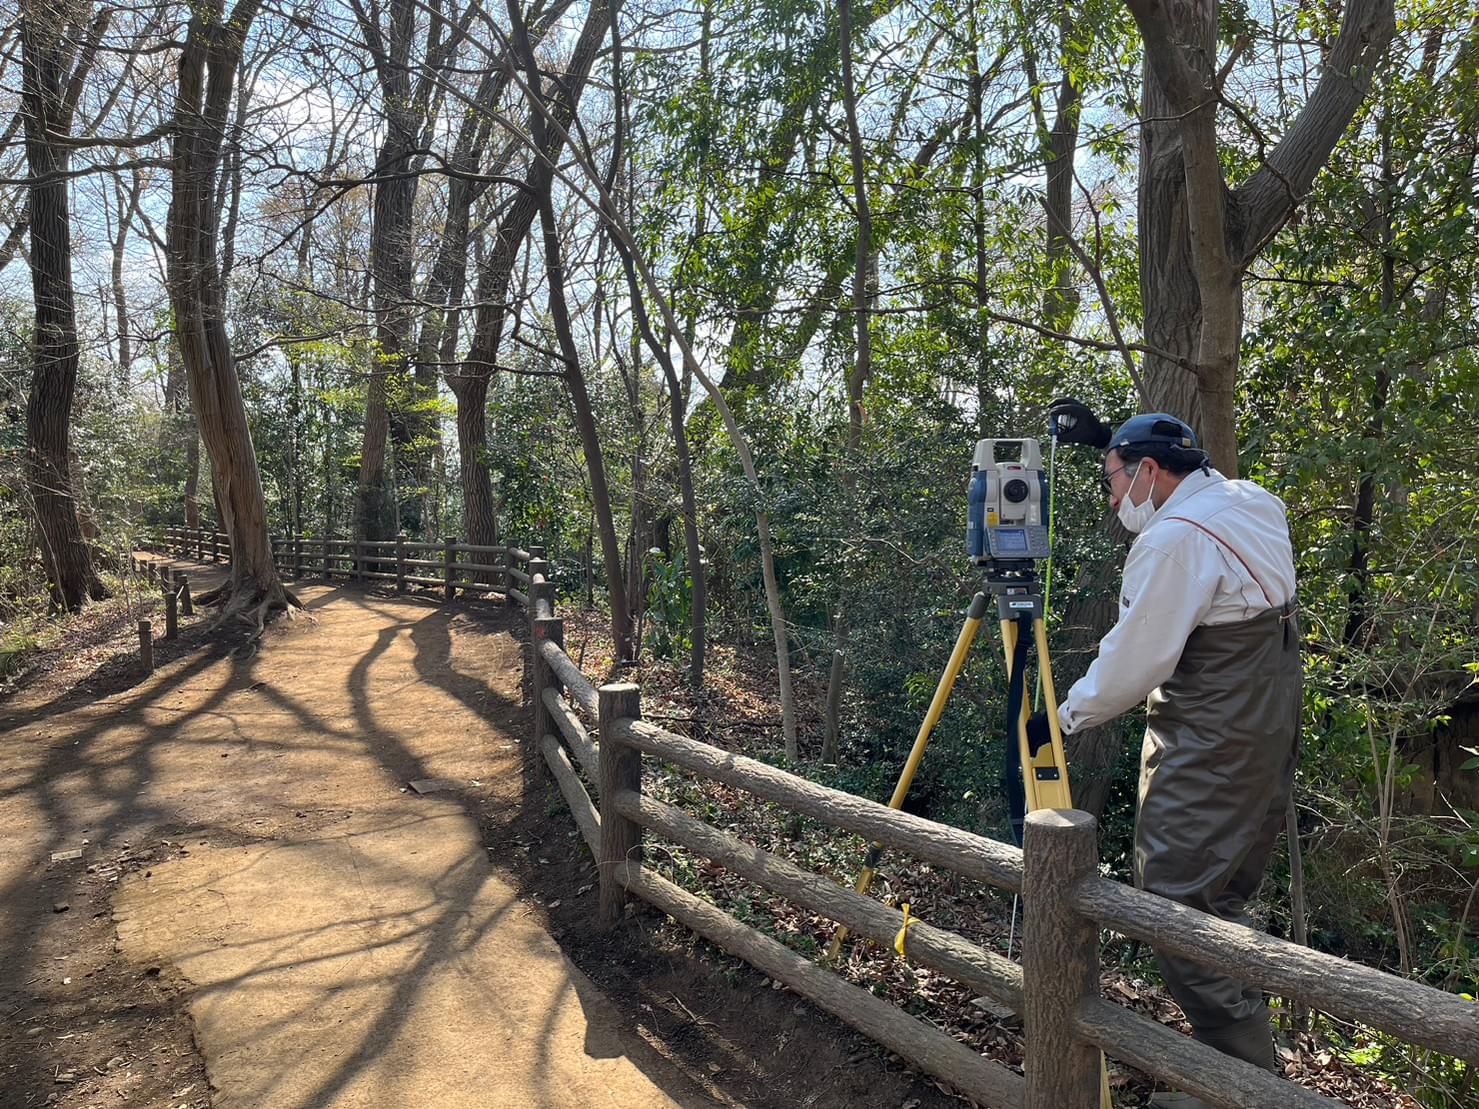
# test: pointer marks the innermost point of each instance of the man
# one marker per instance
(1207, 637)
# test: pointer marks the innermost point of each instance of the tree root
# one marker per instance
(253, 604)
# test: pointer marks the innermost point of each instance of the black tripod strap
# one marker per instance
(1012, 782)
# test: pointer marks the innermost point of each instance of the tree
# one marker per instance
(1197, 235)
(56, 56)
(393, 410)
(207, 71)
(541, 184)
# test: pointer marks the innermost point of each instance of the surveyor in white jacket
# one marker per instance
(1208, 640)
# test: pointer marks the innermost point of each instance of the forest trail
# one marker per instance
(342, 938)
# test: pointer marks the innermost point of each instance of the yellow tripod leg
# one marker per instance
(921, 741)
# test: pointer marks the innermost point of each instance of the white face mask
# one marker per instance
(1135, 516)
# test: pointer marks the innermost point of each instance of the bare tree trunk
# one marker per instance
(126, 210)
(207, 72)
(48, 45)
(585, 419)
(389, 408)
(1198, 236)
(541, 183)
(469, 381)
(862, 366)
(624, 242)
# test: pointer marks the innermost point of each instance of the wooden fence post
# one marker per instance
(448, 557)
(327, 542)
(541, 677)
(620, 770)
(400, 562)
(1060, 959)
(187, 606)
(540, 590)
(215, 546)
(504, 567)
(297, 555)
(146, 645)
(199, 545)
(171, 612)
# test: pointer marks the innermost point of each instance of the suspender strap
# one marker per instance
(1242, 561)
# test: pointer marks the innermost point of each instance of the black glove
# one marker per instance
(1076, 423)
(1039, 735)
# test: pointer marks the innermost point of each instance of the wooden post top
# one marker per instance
(1060, 820)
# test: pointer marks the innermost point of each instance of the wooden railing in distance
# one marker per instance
(465, 568)
(590, 735)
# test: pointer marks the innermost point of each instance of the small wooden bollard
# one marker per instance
(187, 606)
(146, 645)
(448, 557)
(171, 613)
(400, 562)
(620, 770)
(1060, 958)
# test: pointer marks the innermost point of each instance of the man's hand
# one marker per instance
(1039, 734)
(1075, 422)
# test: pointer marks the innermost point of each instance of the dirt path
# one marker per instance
(343, 937)
(265, 913)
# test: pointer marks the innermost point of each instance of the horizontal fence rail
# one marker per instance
(593, 739)
(468, 569)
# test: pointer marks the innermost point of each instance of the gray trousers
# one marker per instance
(1221, 747)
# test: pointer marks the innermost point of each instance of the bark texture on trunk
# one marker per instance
(207, 71)
(49, 44)
(1197, 235)
(396, 408)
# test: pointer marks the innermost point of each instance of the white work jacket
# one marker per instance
(1217, 552)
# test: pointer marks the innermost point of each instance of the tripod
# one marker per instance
(1043, 779)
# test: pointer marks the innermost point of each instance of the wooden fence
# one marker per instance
(1055, 988)
(448, 565)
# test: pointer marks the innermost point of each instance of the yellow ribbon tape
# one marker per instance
(899, 940)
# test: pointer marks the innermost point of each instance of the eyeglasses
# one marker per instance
(1105, 477)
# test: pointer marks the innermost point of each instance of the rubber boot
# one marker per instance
(1251, 1040)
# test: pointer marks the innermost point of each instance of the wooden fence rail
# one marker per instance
(466, 568)
(594, 736)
